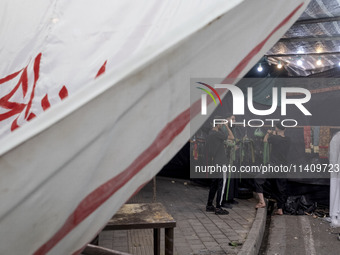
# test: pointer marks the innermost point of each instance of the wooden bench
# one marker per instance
(142, 216)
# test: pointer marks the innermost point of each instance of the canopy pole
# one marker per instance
(154, 189)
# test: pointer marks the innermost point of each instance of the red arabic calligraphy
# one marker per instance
(16, 108)
(25, 109)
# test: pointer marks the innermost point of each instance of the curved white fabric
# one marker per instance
(69, 169)
(76, 38)
(334, 203)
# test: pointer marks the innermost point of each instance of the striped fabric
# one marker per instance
(325, 138)
(307, 133)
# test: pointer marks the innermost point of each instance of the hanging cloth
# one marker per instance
(195, 151)
(325, 137)
(316, 135)
(266, 152)
(307, 138)
(247, 151)
(230, 144)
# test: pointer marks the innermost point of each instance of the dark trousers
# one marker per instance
(275, 187)
(215, 187)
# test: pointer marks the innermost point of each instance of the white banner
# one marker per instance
(94, 100)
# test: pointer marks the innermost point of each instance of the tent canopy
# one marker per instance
(311, 45)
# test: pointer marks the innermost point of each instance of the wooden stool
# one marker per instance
(142, 216)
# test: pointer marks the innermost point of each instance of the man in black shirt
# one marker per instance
(217, 156)
(279, 150)
(280, 145)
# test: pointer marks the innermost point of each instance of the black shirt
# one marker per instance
(279, 149)
(215, 146)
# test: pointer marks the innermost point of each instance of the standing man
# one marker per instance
(229, 180)
(279, 151)
(217, 156)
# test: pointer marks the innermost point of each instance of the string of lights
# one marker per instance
(299, 60)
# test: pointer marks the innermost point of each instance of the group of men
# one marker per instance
(223, 186)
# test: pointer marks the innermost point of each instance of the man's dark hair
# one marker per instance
(216, 117)
(279, 126)
(229, 115)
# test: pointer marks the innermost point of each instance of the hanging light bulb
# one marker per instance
(299, 62)
(319, 62)
(301, 50)
(259, 69)
(339, 64)
(279, 65)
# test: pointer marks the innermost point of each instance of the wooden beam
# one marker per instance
(313, 21)
(310, 38)
(98, 250)
(304, 54)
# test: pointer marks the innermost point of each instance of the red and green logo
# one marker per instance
(204, 97)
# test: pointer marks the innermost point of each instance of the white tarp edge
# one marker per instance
(66, 172)
(334, 201)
